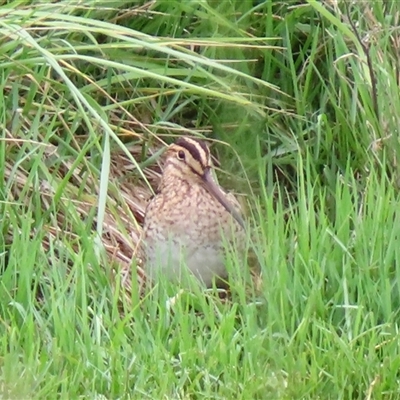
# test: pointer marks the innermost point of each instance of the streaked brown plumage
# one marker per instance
(189, 218)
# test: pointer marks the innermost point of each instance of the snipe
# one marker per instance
(189, 219)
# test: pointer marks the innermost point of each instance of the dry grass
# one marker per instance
(127, 197)
(125, 207)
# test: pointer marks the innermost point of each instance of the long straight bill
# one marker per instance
(215, 191)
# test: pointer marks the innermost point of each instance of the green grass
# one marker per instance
(301, 103)
(324, 323)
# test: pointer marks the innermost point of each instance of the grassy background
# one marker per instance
(301, 103)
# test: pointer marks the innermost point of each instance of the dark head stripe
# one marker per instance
(178, 166)
(197, 149)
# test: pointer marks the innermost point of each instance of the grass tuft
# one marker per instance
(299, 103)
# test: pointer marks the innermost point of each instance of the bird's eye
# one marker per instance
(181, 155)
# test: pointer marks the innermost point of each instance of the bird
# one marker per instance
(190, 219)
